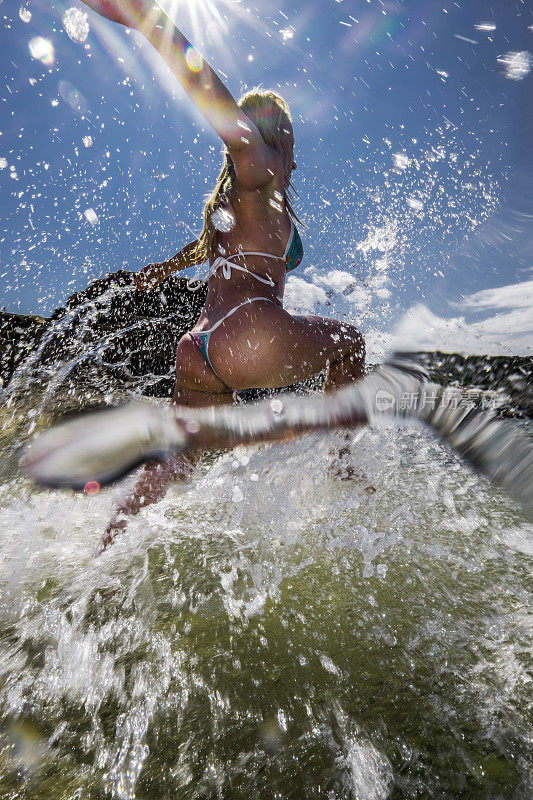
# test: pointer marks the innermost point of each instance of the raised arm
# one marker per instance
(255, 162)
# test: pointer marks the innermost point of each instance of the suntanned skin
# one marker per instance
(261, 345)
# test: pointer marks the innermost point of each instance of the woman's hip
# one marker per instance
(262, 345)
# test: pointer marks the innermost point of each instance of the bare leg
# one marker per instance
(340, 465)
(156, 476)
(270, 348)
(345, 370)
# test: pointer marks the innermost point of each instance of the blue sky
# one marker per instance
(415, 169)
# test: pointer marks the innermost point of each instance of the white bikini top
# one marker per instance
(227, 265)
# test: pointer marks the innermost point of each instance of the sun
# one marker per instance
(210, 26)
(200, 17)
(209, 23)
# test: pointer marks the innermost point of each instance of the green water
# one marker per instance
(272, 632)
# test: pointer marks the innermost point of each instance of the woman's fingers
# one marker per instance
(148, 277)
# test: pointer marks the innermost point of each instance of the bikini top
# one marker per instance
(292, 257)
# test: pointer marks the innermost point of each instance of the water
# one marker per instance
(271, 631)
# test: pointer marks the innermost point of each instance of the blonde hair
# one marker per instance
(271, 115)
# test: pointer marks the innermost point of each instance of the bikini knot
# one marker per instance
(226, 269)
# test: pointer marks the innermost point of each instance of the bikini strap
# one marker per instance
(230, 312)
(228, 265)
(194, 284)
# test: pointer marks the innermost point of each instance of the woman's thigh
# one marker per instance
(196, 383)
(264, 346)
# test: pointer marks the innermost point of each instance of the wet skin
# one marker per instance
(260, 345)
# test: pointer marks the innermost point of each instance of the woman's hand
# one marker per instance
(149, 276)
(132, 13)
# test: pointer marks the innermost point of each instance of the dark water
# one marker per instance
(271, 631)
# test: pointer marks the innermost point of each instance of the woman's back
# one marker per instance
(260, 223)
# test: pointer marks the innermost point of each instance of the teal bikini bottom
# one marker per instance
(201, 339)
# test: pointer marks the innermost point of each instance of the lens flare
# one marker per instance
(193, 58)
(42, 50)
(92, 487)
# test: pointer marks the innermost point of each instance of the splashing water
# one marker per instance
(25, 14)
(400, 161)
(219, 644)
(516, 65)
(293, 622)
(223, 220)
(269, 622)
(76, 24)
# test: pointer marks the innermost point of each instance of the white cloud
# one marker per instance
(508, 331)
(515, 295)
(336, 279)
(302, 297)
(351, 288)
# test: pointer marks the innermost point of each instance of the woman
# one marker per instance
(243, 338)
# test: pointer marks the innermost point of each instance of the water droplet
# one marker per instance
(516, 65)
(415, 204)
(193, 58)
(286, 33)
(75, 24)
(87, 141)
(222, 219)
(400, 160)
(237, 496)
(91, 216)
(3, 163)
(328, 664)
(24, 14)
(42, 49)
